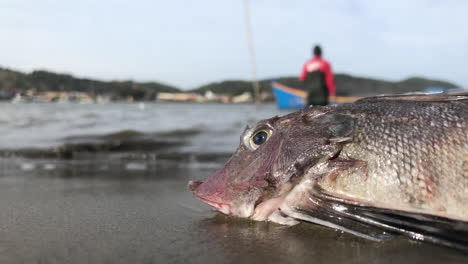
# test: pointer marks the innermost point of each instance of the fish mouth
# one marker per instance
(193, 185)
(221, 207)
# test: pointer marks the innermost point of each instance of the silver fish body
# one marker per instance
(392, 163)
(405, 155)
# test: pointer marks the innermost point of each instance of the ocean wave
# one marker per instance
(134, 135)
(126, 143)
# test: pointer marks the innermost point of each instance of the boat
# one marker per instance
(458, 91)
(287, 97)
(292, 98)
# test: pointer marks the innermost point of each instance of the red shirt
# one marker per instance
(319, 64)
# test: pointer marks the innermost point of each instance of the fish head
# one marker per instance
(271, 157)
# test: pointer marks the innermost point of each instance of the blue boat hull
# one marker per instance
(288, 98)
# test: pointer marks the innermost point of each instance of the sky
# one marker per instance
(188, 43)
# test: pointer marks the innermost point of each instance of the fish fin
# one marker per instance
(415, 97)
(419, 226)
(308, 201)
(300, 205)
(321, 215)
(326, 219)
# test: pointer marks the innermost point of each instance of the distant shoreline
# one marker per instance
(61, 87)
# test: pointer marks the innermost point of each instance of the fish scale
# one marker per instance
(395, 163)
(421, 155)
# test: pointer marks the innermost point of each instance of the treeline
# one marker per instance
(14, 81)
(39, 81)
(347, 85)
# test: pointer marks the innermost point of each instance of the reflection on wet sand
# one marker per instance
(244, 241)
(82, 214)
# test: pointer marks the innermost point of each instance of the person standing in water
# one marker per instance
(318, 79)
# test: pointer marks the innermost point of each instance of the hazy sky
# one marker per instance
(190, 43)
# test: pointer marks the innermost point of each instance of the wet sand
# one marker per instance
(120, 214)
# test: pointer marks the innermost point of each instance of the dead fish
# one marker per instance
(388, 164)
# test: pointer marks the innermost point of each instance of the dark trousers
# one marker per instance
(317, 92)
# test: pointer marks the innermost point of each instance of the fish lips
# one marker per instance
(209, 199)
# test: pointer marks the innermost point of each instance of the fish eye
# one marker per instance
(259, 138)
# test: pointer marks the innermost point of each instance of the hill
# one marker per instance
(346, 85)
(15, 81)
